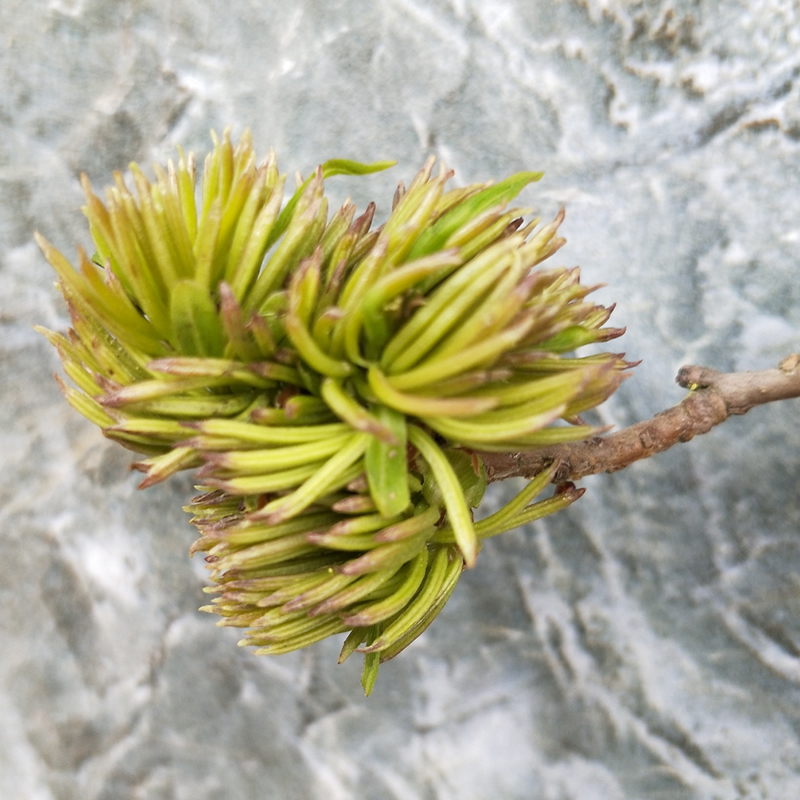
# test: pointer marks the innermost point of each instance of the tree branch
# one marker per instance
(713, 397)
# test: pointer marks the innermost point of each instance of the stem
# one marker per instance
(713, 397)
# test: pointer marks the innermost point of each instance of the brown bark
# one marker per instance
(713, 397)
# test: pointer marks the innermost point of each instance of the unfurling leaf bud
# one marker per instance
(333, 384)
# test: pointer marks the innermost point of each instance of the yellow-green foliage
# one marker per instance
(333, 383)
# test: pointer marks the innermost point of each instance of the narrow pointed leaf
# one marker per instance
(387, 465)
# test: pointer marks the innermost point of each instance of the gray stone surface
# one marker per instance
(646, 644)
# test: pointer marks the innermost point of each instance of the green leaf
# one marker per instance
(452, 492)
(421, 604)
(470, 472)
(336, 472)
(348, 409)
(380, 610)
(499, 194)
(387, 465)
(569, 339)
(196, 327)
(372, 662)
(400, 644)
(334, 166)
(353, 640)
(343, 166)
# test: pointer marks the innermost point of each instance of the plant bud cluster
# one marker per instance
(332, 383)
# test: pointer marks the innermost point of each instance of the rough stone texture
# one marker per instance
(644, 644)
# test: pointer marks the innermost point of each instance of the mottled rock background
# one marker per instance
(644, 645)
